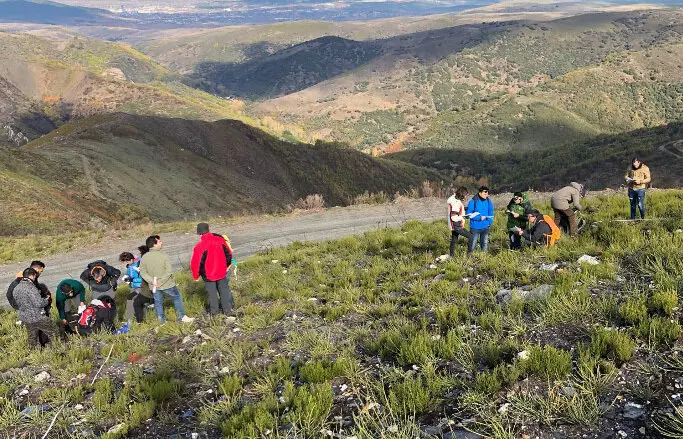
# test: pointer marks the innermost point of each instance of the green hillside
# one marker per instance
(599, 162)
(502, 86)
(111, 168)
(55, 76)
(372, 336)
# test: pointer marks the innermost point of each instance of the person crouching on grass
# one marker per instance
(32, 310)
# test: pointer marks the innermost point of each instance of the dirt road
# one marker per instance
(247, 238)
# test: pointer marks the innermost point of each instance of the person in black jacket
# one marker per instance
(102, 279)
(538, 231)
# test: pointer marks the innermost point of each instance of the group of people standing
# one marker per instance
(150, 276)
(526, 225)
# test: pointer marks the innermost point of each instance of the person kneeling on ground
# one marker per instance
(70, 301)
(156, 270)
(456, 219)
(517, 222)
(32, 310)
(211, 259)
(102, 279)
(562, 201)
(542, 230)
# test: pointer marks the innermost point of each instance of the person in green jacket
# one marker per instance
(70, 295)
(516, 212)
(156, 270)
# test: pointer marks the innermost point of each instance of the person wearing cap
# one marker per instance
(538, 232)
(637, 178)
(517, 220)
(565, 202)
(480, 213)
(211, 259)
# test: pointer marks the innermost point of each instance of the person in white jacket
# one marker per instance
(456, 218)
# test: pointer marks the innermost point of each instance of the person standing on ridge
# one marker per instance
(637, 178)
(480, 212)
(41, 330)
(456, 219)
(156, 270)
(517, 220)
(211, 259)
(565, 203)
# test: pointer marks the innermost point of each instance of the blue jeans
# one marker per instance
(481, 235)
(637, 198)
(174, 294)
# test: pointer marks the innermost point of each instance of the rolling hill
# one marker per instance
(599, 163)
(121, 167)
(496, 85)
(49, 77)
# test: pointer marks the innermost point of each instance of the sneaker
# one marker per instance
(187, 319)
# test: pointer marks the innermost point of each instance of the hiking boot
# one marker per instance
(187, 319)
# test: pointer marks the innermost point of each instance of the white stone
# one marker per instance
(523, 355)
(443, 258)
(393, 429)
(590, 260)
(42, 376)
(78, 407)
(116, 428)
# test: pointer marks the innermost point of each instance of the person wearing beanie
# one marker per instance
(637, 178)
(211, 260)
(480, 213)
(517, 220)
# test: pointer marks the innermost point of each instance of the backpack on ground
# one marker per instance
(555, 232)
(98, 315)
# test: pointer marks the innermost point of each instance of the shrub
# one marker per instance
(410, 397)
(660, 331)
(633, 311)
(230, 385)
(311, 202)
(612, 344)
(487, 383)
(663, 302)
(311, 405)
(548, 361)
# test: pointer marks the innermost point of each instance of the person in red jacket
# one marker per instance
(211, 259)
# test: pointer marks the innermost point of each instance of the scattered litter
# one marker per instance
(432, 267)
(187, 414)
(343, 387)
(23, 392)
(28, 411)
(523, 355)
(504, 408)
(284, 271)
(274, 261)
(590, 260)
(78, 407)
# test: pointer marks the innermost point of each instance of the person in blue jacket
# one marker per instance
(480, 213)
(133, 278)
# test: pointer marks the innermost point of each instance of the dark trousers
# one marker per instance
(515, 241)
(140, 302)
(459, 231)
(566, 220)
(220, 288)
(40, 333)
(637, 199)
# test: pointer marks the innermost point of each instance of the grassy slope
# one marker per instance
(599, 162)
(122, 167)
(363, 329)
